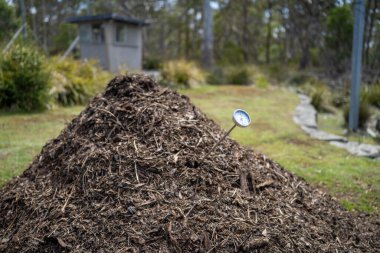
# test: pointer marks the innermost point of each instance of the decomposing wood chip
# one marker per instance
(125, 176)
(265, 184)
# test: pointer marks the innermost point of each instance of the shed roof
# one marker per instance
(107, 17)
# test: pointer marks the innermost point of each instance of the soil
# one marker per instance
(126, 176)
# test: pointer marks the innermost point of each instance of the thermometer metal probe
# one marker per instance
(241, 118)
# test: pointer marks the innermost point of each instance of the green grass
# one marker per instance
(23, 135)
(354, 181)
(334, 123)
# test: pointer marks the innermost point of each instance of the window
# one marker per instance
(126, 35)
(85, 33)
(91, 33)
(120, 34)
(97, 33)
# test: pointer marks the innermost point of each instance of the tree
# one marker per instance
(269, 32)
(338, 40)
(207, 43)
(8, 20)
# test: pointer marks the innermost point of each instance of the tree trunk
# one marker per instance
(305, 59)
(207, 43)
(269, 33)
(187, 33)
(245, 32)
(370, 28)
(44, 28)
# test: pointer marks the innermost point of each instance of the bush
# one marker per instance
(242, 75)
(231, 54)
(319, 94)
(182, 73)
(339, 100)
(261, 81)
(239, 75)
(364, 113)
(372, 94)
(301, 78)
(317, 99)
(278, 72)
(152, 63)
(216, 76)
(75, 82)
(321, 97)
(23, 79)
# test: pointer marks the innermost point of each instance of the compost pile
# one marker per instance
(126, 176)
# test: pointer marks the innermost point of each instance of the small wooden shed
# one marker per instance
(114, 40)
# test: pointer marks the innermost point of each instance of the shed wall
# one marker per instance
(113, 55)
(129, 54)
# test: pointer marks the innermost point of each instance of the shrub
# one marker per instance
(278, 72)
(372, 94)
(321, 97)
(317, 99)
(364, 113)
(231, 54)
(217, 76)
(339, 100)
(239, 75)
(23, 79)
(151, 63)
(319, 94)
(301, 78)
(75, 82)
(261, 81)
(182, 73)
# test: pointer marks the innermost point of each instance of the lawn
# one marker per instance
(23, 135)
(354, 181)
(334, 123)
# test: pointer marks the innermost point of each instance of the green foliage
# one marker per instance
(261, 81)
(217, 76)
(339, 24)
(372, 94)
(23, 79)
(65, 35)
(317, 98)
(316, 89)
(231, 54)
(8, 20)
(75, 82)
(300, 78)
(182, 73)
(339, 100)
(320, 95)
(277, 72)
(364, 113)
(152, 63)
(314, 55)
(239, 75)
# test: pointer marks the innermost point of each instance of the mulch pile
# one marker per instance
(125, 176)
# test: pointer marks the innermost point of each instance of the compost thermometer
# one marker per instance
(241, 118)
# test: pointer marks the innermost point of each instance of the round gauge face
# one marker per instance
(241, 118)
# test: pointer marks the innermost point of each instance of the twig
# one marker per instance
(67, 200)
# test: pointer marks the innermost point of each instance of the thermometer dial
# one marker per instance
(241, 118)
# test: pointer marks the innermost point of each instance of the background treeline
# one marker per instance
(308, 34)
(297, 42)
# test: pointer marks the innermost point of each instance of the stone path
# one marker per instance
(305, 116)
